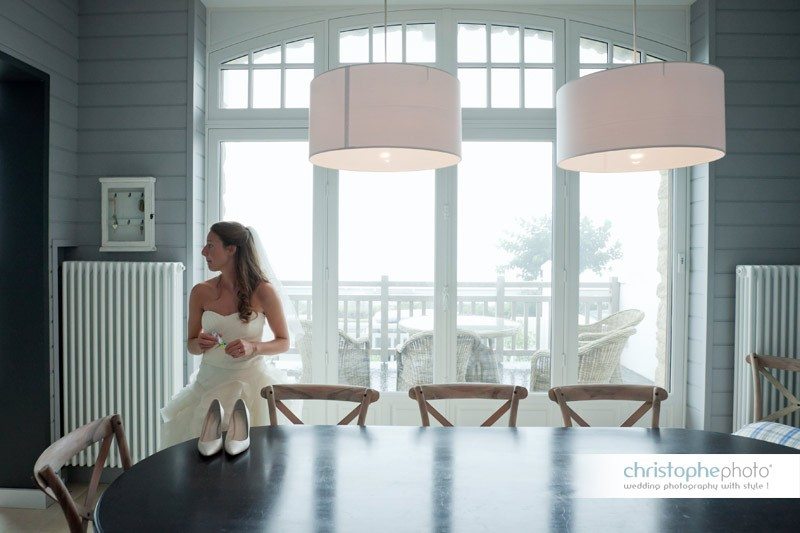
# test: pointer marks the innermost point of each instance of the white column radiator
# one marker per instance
(767, 322)
(122, 347)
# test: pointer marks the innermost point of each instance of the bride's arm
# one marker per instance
(273, 310)
(198, 341)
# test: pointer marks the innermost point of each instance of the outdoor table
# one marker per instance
(487, 327)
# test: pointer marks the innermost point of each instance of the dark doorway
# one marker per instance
(24, 298)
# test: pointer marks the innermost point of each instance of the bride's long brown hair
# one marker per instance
(248, 268)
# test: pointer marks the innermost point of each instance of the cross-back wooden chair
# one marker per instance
(457, 391)
(103, 430)
(275, 394)
(651, 396)
(761, 365)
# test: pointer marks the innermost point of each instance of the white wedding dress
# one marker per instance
(222, 377)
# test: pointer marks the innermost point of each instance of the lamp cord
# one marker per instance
(634, 32)
(385, 31)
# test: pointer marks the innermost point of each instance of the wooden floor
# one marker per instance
(50, 520)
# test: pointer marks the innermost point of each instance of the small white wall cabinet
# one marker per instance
(128, 214)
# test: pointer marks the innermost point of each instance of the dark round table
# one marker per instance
(394, 478)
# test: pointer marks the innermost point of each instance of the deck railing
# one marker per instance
(374, 308)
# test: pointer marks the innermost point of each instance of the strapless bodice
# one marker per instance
(229, 328)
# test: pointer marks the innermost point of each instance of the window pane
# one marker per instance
(538, 87)
(267, 88)
(385, 273)
(251, 173)
(238, 61)
(593, 51)
(653, 59)
(298, 81)
(587, 71)
(505, 87)
(421, 43)
(300, 51)
(395, 44)
(538, 46)
(471, 43)
(473, 87)
(354, 46)
(623, 316)
(624, 55)
(504, 259)
(505, 44)
(269, 56)
(234, 89)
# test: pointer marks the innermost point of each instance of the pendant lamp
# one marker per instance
(385, 117)
(647, 116)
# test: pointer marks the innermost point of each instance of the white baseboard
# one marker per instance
(24, 499)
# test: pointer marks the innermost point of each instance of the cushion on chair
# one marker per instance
(772, 432)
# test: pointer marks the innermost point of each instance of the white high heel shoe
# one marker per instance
(237, 439)
(210, 441)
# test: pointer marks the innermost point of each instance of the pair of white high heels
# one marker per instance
(237, 439)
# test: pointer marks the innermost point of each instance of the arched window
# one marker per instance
(266, 74)
(498, 242)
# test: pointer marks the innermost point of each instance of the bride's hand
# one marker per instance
(240, 348)
(206, 341)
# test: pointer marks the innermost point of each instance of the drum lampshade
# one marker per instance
(648, 116)
(385, 117)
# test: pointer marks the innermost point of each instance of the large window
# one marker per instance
(503, 269)
(386, 259)
(267, 185)
(274, 77)
(407, 43)
(504, 260)
(502, 66)
(625, 252)
(596, 55)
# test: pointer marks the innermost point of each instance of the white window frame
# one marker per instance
(523, 124)
(674, 412)
(218, 115)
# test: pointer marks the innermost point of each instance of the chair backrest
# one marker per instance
(651, 396)
(415, 358)
(482, 366)
(353, 357)
(457, 391)
(598, 359)
(761, 365)
(626, 318)
(57, 454)
(275, 394)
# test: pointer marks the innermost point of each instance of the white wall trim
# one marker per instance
(25, 499)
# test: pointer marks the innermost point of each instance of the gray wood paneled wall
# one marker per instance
(134, 102)
(142, 80)
(44, 34)
(753, 194)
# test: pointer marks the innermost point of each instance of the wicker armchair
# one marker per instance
(353, 357)
(623, 319)
(415, 358)
(482, 367)
(597, 360)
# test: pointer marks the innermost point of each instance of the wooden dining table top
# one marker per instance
(400, 478)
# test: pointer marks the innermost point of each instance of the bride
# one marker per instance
(227, 315)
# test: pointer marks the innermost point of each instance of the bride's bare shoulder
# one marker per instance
(266, 291)
(206, 288)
